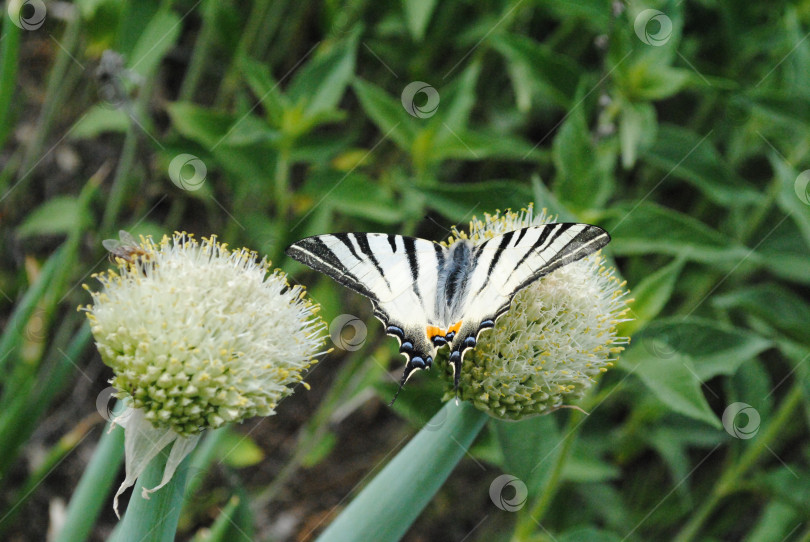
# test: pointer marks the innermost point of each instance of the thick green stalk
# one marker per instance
(391, 502)
(154, 519)
(94, 487)
(528, 521)
(730, 477)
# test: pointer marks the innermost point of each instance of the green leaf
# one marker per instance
(57, 216)
(483, 145)
(321, 83)
(530, 448)
(417, 15)
(460, 202)
(781, 308)
(205, 126)
(588, 534)
(320, 450)
(792, 181)
(650, 296)
(647, 227)
(713, 347)
(413, 477)
(99, 119)
(585, 466)
(265, 88)
(672, 380)
(552, 75)
(584, 177)
(652, 80)
(457, 103)
(156, 40)
(339, 191)
(387, 113)
(250, 130)
(683, 154)
(783, 249)
(638, 126)
(778, 105)
(238, 450)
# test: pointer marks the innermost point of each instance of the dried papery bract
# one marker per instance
(559, 334)
(198, 337)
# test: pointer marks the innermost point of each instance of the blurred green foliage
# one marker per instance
(683, 131)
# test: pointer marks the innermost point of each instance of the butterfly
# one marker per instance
(429, 296)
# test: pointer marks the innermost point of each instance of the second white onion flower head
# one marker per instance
(559, 334)
(197, 336)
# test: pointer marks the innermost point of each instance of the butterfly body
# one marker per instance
(428, 295)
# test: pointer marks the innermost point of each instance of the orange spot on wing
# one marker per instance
(433, 331)
(455, 327)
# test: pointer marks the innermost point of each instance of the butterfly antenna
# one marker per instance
(442, 226)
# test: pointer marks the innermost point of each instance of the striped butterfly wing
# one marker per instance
(508, 263)
(398, 274)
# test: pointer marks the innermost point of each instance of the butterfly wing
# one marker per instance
(508, 263)
(398, 274)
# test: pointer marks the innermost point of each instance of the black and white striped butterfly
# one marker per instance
(429, 296)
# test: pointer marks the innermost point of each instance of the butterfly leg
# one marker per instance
(414, 364)
(457, 357)
(455, 362)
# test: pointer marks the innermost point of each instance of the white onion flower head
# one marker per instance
(197, 336)
(559, 334)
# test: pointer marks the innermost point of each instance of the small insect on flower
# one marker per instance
(200, 337)
(127, 248)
